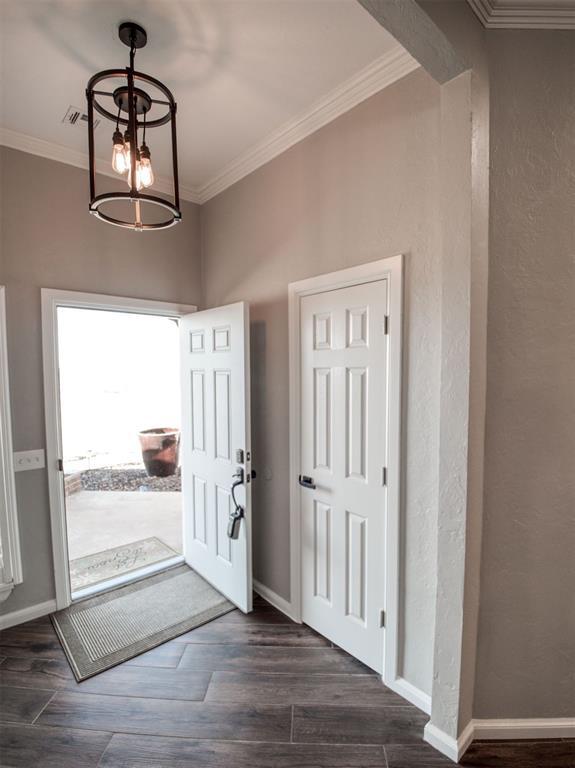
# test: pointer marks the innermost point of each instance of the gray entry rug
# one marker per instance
(101, 566)
(106, 630)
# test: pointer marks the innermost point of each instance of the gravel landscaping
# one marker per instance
(127, 479)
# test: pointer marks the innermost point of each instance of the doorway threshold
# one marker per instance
(126, 578)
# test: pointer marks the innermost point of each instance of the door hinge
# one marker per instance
(386, 325)
(60, 465)
(382, 618)
(384, 475)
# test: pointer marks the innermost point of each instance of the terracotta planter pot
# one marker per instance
(160, 451)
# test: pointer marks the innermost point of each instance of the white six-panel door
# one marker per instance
(215, 426)
(344, 380)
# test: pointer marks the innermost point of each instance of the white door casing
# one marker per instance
(10, 557)
(215, 426)
(343, 448)
(51, 300)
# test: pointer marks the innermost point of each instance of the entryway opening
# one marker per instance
(119, 391)
(123, 505)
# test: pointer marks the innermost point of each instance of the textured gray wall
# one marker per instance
(48, 240)
(526, 643)
(361, 188)
(465, 173)
(525, 664)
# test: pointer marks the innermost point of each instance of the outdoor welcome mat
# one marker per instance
(103, 631)
(91, 569)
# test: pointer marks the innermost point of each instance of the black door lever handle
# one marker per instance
(306, 482)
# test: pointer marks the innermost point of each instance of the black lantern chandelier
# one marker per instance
(134, 112)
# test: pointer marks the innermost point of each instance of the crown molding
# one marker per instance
(61, 154)
(514, 14)
(379, 74)
(382, 72)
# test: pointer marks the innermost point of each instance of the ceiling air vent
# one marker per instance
(77, 116)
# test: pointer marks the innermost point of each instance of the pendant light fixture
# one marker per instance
(116, 95)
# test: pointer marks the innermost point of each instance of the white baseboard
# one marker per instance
(529, 728)
(414, 695)
(502, 730)
(452, 748)
(27, 614)
(274, 599)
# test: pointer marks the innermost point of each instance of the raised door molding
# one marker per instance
(525, 14)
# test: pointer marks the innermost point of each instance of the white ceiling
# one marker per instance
(249, 76)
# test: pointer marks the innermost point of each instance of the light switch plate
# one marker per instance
(24, 460)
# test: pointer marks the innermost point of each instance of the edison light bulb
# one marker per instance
(146, 170)
(118, 154)
(127, 156)
(139, 183)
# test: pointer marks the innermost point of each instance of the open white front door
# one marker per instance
(216, 445)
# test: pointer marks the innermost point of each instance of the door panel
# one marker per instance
(215, 426)
(322, 550)
(344, 433)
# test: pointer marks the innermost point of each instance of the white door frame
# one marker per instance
(51, 300)
(392, 270)
(11, 562)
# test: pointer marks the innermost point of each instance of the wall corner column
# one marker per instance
(464, 129)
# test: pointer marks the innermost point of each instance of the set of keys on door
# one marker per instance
(237, 513)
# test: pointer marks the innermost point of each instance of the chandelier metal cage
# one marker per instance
(128, 105)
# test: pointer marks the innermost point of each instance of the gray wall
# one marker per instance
(48, 240)
(525, 664)
(526, 642)
(362, 188)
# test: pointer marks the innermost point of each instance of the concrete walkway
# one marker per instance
(100, 520)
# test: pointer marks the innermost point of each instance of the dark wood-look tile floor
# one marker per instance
(253, 691)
